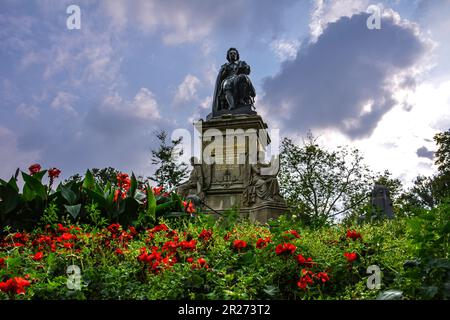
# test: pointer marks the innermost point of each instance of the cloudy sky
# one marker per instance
(93, 97)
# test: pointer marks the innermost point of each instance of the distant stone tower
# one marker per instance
(381, 201)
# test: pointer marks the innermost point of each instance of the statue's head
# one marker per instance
(232, 54)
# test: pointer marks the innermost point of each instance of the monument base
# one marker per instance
(232, 180)
(267, 211)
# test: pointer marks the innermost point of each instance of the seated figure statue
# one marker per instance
(233, 87)
(261, 188)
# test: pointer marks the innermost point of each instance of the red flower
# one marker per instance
(351, 256)
(305, 262)
(66, 236)
(34, 168)
(68, 245)
(189, 207)
(190, 260)
(157, 190)
(132, 230)
(188, 245)
(201, 261)
(239, 244)
(119, 251)
(294, 233)
(285, 248)
(323, 276)
(116, 195)
(261, 243)
(161, 227)
(54, 173)
(2, 262)
(123, 181)
(61, 228)
(38, 256)
(15, 285)
(353, 234)
(304, 281)
(205, 235)
(113, 228)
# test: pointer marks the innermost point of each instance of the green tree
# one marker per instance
(428, 192)
(171, 171)
(102, 176)
(319, 184)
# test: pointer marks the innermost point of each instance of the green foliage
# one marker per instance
(170, 170)
(319, 184)
(38, 203)
(50, 216)
(411, 252)
(430, 241)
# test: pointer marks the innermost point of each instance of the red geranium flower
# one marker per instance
(239, 244)
(54, 173)
(61, 228)
(353, 234)
(323, 276)
(304, 281)
(118, 251)
(285, 248)
(261, 243)
(34, 168)
(303, 261)
(188, 245)
(294, 233)
(160, 227)
(351, 256)
(205, 235)
(201, 261)
(15, 285)
(38, 256)
(190, 260)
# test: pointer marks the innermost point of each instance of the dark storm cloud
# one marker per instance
(348, 67)
(423, 152)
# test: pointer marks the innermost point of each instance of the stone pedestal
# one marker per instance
(229, 167)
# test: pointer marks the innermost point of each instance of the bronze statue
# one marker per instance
(233, 89)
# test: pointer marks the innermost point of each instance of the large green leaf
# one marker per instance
(99, 199)
(38, 176)
(179, 204)
(133, 186)
(69, 195)
(89, 180)
(10, 198)
(151, 203)
(73, 210)
(140, 196)
(13, 183)
(33, 187)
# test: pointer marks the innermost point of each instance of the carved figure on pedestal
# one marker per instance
(196, 182)
(260, 188)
